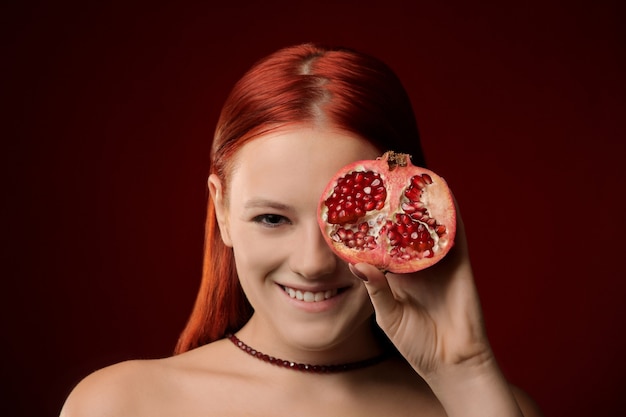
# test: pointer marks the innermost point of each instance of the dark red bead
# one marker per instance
(301, 366)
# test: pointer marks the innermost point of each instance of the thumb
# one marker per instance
(377, 286)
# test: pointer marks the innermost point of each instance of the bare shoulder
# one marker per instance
(529, 407)
(110, 391)
(145, 387)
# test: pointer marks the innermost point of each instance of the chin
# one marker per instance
(330, 335)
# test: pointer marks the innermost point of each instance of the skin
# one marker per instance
(268, 216)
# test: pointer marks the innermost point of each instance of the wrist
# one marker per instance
(473, 387)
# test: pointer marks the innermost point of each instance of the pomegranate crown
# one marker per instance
(395, 159)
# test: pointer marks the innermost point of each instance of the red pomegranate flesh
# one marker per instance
(389, 213)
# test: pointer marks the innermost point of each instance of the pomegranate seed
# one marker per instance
(418, 181)
(408, 208)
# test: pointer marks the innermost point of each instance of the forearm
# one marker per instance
(467, 390)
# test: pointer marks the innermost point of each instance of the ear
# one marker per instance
(221, 211)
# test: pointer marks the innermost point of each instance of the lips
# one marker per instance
(310, 296)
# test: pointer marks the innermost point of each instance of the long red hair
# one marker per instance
(307, 83)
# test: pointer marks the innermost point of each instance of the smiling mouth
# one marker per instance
(309, 296)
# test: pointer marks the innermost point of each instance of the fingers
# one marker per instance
(377, 286)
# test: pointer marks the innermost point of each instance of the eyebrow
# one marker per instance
(263, 202)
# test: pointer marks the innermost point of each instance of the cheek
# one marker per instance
(254, 253)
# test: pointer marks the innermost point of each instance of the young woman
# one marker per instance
(276, 306)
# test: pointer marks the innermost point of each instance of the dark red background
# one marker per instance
(110, 110)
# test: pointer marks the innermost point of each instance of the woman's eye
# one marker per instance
(271, 220)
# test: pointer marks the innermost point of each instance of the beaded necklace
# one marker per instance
(318, 369)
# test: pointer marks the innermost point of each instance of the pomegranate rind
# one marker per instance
(437, 198)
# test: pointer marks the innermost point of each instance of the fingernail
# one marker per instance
(357, 273)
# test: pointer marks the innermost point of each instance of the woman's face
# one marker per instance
(301, 292)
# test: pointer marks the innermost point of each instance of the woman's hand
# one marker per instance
(433, 316)
(434, 319)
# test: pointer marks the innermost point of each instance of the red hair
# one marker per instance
(307, 83)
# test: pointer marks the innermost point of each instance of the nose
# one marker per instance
(311, 257)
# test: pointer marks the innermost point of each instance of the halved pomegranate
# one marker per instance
(389, 213)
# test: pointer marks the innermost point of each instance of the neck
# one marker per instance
(307, 347)
(306, 367)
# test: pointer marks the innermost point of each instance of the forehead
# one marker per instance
(310, 155)
(304, 147)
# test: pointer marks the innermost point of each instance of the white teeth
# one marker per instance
(308, 296)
